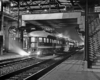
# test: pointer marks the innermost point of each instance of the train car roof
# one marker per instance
(39, 34)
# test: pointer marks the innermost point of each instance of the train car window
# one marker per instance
(33, 39)
(40, 40)
(47, 40)
(32, 44)
(44, 40)
(57, 42)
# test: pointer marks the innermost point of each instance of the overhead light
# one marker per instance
(27, 11)
(11, 4)
(60, 35)
(45, 10)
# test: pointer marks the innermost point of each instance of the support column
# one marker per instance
(18, 23)
(6, 33)
(1, 29)
(87, 37)
(21, 36)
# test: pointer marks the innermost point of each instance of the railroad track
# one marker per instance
(34, 71)
(20, 71)
(8, 62)
(17, 66)
(47, 69)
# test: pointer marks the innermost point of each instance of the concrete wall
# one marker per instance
(6, 36)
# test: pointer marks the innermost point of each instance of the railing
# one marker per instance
(94, 33)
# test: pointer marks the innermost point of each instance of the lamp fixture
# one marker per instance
(45, 10)
(27, 11)
(11, 4)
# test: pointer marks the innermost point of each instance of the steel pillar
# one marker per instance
(87, 37)
(1, 29)
(18, 20)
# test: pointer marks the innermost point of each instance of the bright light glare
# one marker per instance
(27, 11)
(45, 10)
(0, 5)
(23, 53)
(38, 52)
(71, 44)
(11, 4)
(82, 43)
(16, 47)
(60, 35)
(29, 52)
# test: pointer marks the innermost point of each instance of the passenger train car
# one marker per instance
(44, 43)
(38, 42)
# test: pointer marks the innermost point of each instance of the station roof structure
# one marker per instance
(28, 7)
(53, 21)
(48, 6)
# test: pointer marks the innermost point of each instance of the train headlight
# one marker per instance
(29, 52)
(38, 52)
(23, 53)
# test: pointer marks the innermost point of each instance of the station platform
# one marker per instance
(74, 68)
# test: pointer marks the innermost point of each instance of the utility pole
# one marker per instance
(87, 36)
(18, 22)
(19, 31)
(1, 29)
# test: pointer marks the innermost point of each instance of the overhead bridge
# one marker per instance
(56, 20)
